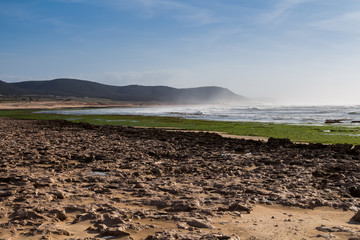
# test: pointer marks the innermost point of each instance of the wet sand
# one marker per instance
(61, 180)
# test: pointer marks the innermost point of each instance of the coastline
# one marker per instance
(308, 133)
(53, 105)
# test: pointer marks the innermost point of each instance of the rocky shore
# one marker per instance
(60, 180)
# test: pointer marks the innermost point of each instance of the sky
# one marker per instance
(290, 51)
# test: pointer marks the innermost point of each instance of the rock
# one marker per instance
(334, 120)
(276, 142)
(182, 225)
(112, 219)
(318, 202)
(139, 185)
(86, 216)
(60, 194)
(354, 191)
(187, 178)
(101, 227)
(49, 228)
(43, 182)
(160, 236)
(184, 206)
(4, 194)
(219, 236)
(116, 232)
(199, 224)
(76, 208)
(172, 235)
(3, 212)
(236, 207)
(156, 171)
(59, 214)
(356, 217)
(158, 203)
(323, 228)
(27, 214)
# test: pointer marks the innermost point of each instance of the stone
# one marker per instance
(236, 207)
(112, 219)
(116, 232)
(183, 206)
(199, 223)
(323, 228)
(86, 216)
(59, 214)
(27, 214)
(277, 142)
(193, 174)
(356, 217)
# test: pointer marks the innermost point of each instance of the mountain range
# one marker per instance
(66, 87)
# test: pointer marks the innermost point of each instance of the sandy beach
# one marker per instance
(13, 105)
(61, 180)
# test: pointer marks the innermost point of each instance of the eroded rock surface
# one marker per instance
(57, 177)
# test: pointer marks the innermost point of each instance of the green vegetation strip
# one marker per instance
(328, 134)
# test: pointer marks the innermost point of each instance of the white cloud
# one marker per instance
(180, 11)
(349, 22)
(281, 9)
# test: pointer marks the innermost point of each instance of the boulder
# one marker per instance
(116, 232)
(356, 217)
(199, 223)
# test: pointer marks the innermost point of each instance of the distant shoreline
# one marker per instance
(325, 134)
(37, 105)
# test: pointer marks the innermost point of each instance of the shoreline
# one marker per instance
(54, 105)
(66, 104)
(325, 134)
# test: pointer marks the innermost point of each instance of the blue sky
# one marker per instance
(294, 51)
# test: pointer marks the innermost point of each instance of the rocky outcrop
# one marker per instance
(122, 181)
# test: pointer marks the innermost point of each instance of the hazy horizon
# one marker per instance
(302, 52)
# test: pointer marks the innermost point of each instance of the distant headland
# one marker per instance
(66, 87)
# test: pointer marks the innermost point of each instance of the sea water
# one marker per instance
(261, 113)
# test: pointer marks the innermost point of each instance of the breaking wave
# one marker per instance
(276, 114)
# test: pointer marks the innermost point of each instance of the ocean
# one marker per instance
(261, 113)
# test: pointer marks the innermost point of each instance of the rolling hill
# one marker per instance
(66, 87)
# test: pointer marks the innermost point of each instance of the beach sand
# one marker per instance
(53, 104)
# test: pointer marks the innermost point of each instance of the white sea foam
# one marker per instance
(277, 114)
